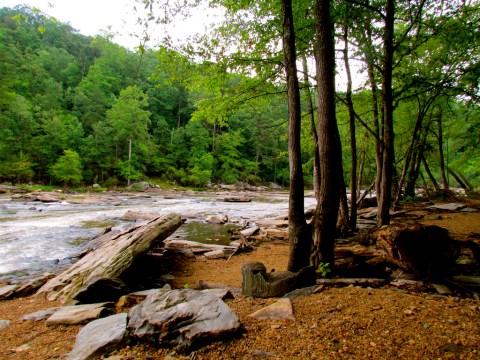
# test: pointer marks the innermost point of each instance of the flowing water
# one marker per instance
(37, 237)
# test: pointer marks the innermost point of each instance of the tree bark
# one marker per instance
(316, 155)
(429, 174)
(299, 235)
(353, 139)
(325, 219)
(440, 154)
(385, 196)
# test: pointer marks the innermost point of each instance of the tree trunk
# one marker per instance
(373, 83)
(429, 174)
(440, 154)
(299, 236)
(324, 223)
(316, 155)
(353, 140)
(385, 196)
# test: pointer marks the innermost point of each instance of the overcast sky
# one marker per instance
(92, 16)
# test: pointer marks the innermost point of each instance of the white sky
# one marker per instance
(90, 17)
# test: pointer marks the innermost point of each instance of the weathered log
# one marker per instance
(353, 281)
(237, 199)
(426, 251)
(112, 258)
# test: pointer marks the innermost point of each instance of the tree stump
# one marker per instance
(257, 282)
(426, 251)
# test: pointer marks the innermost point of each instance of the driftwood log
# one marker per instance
(111, 259)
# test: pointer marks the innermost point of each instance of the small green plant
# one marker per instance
(186, 286)
(324, 269)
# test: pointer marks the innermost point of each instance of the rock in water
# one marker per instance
(98, 337)
(112, 258)
(184, 319)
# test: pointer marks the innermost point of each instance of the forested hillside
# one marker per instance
(79, 110)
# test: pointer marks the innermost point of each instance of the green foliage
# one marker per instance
(68, 168)
(323, 269)
(192, 121)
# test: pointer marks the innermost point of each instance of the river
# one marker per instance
(37, 237)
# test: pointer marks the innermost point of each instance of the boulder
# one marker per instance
(257, 282)
(80, 314)
(141, 185)
(184, 319)
(112, 258)
(217, 219)
(99, 337)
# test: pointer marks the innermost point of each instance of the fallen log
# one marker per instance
(353, 281)
(237, 199)
(111, 259)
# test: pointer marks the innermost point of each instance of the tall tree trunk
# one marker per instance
(440, 153)
(353, 139)
(299, 234)
(374, 89)
(429, 174)
(360, 173)
(316, 155)
(385, 196)
(324, 223)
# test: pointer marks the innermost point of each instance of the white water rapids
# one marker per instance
(37, 237)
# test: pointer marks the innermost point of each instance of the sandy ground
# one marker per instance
(337, 323)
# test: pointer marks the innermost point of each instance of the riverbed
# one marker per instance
(38, 237)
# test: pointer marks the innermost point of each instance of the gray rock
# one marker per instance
(40, 315)
(99, 337)
(80, 314)
(448, 207)
(307, 291)
(220, 293)
(4, 324)
(215, 254)
(182, 318)
(280, 310)
(250, 231)
(7, 291)
(217, 219)
(28, 288)
(142, 185)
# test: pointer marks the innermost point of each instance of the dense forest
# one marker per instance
(77, 110)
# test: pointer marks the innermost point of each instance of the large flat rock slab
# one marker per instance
(99, 337)
(111, 259)
(182, 318)
(80, 314)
